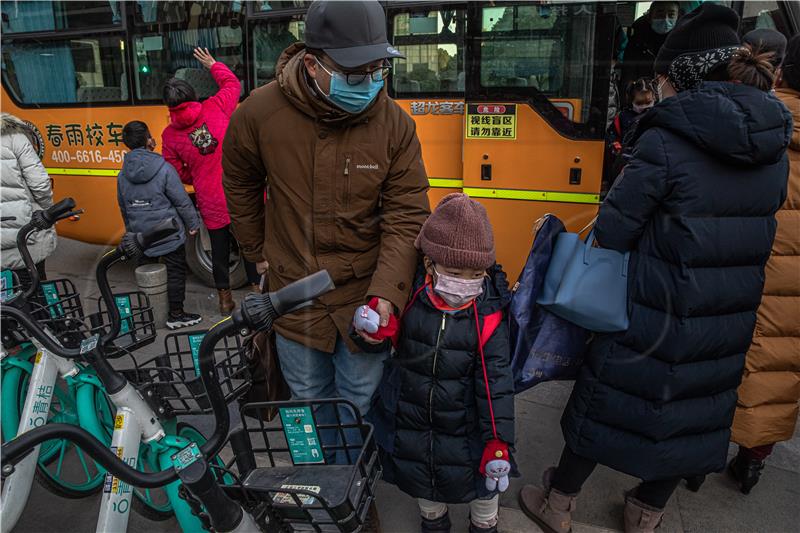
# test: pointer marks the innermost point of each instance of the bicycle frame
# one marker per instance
(47, 368)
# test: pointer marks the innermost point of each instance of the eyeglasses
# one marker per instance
(357, 78)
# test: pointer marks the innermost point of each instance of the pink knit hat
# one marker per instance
(458, 234)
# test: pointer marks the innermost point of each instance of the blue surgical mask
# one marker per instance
(351, 98)
(662, 26)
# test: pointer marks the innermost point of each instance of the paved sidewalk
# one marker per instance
(772, 507)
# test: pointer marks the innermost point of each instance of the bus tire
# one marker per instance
(198, 258)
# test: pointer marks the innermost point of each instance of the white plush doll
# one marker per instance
(495, 465)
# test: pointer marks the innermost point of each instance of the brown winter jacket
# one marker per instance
(344, 193)
(768, 396)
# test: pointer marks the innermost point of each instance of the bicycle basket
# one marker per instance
(138, 325)
(56, 305)
(173, 379)
(322, 464)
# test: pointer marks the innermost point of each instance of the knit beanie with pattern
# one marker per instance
(458, 234)
(707, 28)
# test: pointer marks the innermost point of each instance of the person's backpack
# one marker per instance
(544, 347)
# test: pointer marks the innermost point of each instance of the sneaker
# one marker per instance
(182, 320)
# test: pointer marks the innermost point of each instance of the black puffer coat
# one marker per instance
(696, 207)
(431, 414)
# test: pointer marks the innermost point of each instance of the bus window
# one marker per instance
(433, 43)
(166, 34)
(272, 6)
(547, 47)
(35, 15)
(757, 15)
(66, 71)
(270, 38)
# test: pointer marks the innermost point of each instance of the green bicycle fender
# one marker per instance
(12, 377)
(188, 522)
(88, 417)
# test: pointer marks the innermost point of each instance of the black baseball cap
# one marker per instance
(351, 33)
(770, 41)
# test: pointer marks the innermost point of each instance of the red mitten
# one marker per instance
(384, 332)
(494, 450)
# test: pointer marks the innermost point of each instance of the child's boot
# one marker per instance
(549, 508)
(436, 525)
(478, 529)
(226, 303)
(640, 517)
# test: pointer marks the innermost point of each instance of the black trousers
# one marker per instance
(175, 262)
(573, 470)
(220, 259)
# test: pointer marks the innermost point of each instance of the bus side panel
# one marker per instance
(538, 159)
(441, 137)
(101, 222)
(513, 222)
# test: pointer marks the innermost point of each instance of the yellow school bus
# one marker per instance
(510, 98)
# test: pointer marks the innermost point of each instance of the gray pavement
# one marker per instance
(772, 507)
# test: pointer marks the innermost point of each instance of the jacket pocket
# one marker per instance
(347, 181)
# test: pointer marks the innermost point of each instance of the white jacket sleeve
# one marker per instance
(33, 172)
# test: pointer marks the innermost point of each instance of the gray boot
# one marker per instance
(549, 508)
(640, 517)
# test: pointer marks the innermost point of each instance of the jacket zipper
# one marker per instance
(430, 394)
(347, 182)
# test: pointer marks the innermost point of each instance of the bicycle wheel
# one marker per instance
(62, 468)
(154, 503)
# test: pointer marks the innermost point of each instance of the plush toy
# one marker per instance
(368, 320)
(496, 465)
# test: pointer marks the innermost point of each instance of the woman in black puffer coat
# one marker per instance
(695, 207)
(433, 420)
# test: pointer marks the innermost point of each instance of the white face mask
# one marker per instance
(660, 89)
(662, 26)
(642, 108)
(457, 292)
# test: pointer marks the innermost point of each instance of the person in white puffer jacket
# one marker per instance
(25, 189)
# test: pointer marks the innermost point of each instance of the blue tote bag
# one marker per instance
(544, 347)
(586, 285)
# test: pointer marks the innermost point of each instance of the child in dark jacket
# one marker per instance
(150, 191)
(641, 96)
(444, 411)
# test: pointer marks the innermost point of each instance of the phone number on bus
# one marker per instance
(89, 156)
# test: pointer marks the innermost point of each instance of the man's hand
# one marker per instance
(192, 232)
(385, 309)
(204, 57)
(262, 267)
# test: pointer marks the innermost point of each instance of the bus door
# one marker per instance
(429, 84)
(537, 85)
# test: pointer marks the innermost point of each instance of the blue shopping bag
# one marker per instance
(587, 285)
(544, 347)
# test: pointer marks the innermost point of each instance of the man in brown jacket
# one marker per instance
(346, 191)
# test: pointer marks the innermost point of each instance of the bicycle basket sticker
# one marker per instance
(87, 345)
(186, 457)
(301, 435)
(194, 345)
(6, 284)
(283, 498)
(123, 303)
(51, 298)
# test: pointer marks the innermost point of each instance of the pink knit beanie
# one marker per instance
(458, 234)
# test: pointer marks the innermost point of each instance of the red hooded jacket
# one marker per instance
(192, 143)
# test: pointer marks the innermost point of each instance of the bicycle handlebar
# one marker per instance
(257, 312)
(40, 220)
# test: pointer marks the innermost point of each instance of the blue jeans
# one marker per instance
(315, 375)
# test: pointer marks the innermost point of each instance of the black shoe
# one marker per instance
(746, 472)
(440, 525)
(695, 482)
(182, 320)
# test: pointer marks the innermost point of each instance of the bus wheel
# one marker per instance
(198, 258)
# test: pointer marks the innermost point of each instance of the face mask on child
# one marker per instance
(641, 108)
(457, 292)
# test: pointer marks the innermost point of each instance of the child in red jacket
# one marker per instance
(192, 143)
